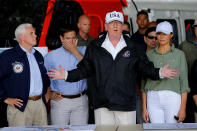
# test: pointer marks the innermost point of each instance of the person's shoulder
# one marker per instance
(151, 53)
(126, 36)
(91, 38)
(130, 42)
(134, 34)
(98, 41)
(81, 48)
(178, 51)
(94, 43)
(58, 50)
(78, 36)
(53, 52)
(185, 43)
(37, 53)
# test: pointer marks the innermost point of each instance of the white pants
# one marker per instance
(163, 105)
(70, 111)
(105, 117)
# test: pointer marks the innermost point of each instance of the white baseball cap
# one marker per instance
(111, 16)
(164, 27)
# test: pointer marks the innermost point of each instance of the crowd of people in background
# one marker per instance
(117, 78)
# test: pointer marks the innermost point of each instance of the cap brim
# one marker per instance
(165, 32)
(113, 20)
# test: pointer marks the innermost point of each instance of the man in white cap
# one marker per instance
(113, 60)
(189, 47)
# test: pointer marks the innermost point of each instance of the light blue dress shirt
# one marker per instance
(68, 61)
(36, 84)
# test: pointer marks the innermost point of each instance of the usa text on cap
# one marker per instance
(111, 16)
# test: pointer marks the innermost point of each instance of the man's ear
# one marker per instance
(106, 27)
(20, 37)
(78, 25)
(61, 38)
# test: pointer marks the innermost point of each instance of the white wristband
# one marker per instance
(66, 75)
(160, 75)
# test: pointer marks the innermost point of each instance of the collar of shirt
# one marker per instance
(32, 50)
(111, 49)
(171, 49)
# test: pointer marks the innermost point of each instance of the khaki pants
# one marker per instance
(34, 115)
(103, 116)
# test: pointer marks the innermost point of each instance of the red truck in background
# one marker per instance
(61, 12)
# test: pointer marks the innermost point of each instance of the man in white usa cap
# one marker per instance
(113, 60)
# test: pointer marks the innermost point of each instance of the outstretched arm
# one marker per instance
(148, 70)
(84, 69)
(57, 74)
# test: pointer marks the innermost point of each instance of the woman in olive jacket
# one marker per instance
(164, 101)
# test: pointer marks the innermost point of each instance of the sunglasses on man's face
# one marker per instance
(152, 37)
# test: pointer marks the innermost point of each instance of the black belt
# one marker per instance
(74, 96)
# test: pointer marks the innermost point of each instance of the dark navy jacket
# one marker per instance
(16, 80)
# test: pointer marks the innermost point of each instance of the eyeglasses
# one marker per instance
(152, 37)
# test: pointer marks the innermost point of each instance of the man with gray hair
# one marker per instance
(113, 59)
(24, 80)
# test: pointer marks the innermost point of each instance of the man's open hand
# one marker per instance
(57, 74)
(169, 73)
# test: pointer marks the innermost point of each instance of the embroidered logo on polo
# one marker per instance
(126, 54)
(17, 67)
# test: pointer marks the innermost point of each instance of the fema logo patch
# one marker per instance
(17, 67)
(126, 54)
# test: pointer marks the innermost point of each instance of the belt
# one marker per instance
(74, 96)
(34, 98)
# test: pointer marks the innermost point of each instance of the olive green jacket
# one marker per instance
(176, 59)
(190, 50)
(82, 42)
